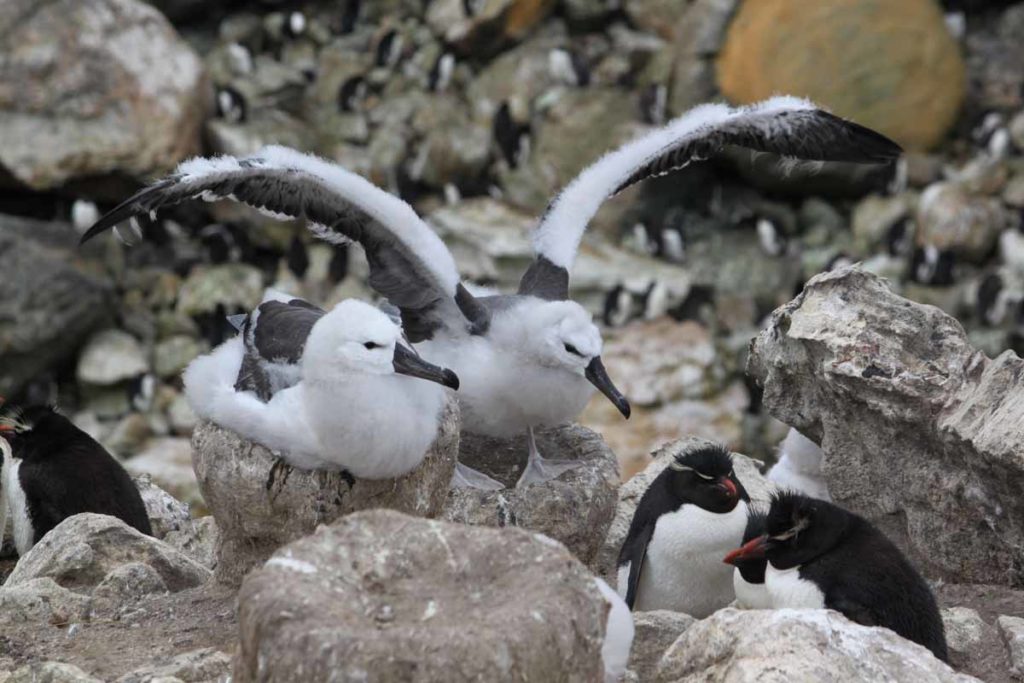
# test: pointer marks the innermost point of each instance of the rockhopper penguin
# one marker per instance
(820, 555)
(54, 470)
(672, 556)
(748, 576)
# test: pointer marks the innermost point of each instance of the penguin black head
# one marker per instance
(797, 529)
(38, 427)
(705, 478)
(753, 565)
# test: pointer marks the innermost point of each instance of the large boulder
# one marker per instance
(632, 491)
(921, 433)
(383, 596)
(891, 66)
(656, 631)
(574, 508)
(85, 550)
(48, 303)
(260, 503)
(737, 646)
(95, 86)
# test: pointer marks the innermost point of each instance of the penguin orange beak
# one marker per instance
(729, 488)
(6, 428)
(750, 550)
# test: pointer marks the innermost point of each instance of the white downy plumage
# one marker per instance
(799, 467)
(349, 411)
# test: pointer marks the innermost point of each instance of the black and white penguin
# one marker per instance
(693, 512)
(748, 575)
(820, 555)
(53, 470)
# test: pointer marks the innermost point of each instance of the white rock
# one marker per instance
(111, 356)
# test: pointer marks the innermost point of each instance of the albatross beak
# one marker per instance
(598, 376)
(750, 550)
(408, 363)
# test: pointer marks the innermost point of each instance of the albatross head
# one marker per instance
(562, 334)
(355, 337)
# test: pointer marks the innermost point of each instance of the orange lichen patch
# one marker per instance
(888, 64)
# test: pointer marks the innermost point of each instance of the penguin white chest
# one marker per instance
(683, 569)
(750, 595)
(787, 589)
(24, 533)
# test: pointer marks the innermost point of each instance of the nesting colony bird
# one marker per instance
(820, 555)
(799, 466)
(333, 390)
(748, 575)
(692, 513)
(528, 359)
(53, 470)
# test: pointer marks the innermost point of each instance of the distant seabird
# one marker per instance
(52, 470)
(333, 390)
(527, 359)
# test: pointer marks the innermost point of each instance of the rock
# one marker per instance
(951, 219)
(181, 417)
(485, 30)
(197, 666)
(129, 434)
(994, 54)
(383, 596)
(655, 633)
(198, 540)
(736, 646)
(109, 357)
(260, 505)
(1012, 629)
(1013, 193)
(172, 355)
(868, 374)
(168, 461)
(758, 488)
(125, 584)
(897, 69)
(82, 550)
(48, 306)
(41, 601)
(974, 645)
(232, 286)
(875, 215)
(95, 86)
(574, 508)
(50, 672)
(166, 513)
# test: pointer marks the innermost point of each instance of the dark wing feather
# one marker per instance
(636, 559)
(805, 134)
(545, 280)
(275, 336)
(409, 265)
(656, 501)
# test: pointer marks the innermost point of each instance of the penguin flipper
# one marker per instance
(635, 557)
(853, 610)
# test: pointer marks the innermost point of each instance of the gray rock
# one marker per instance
(207, 665)
(737, 646)
(50, 672)
(260, 504)
(875, 214)
(974, 645)
(96, 86)
(920, 431)
(1012, 629)
(47, 306)
(168, 461)
(630, 493)
(952, 219)
(231, 285)
(42, 601)
(131, 432)
(125, 584)
(574, 508)
(166, 513)
(82, 550)
(655, 632)
(383, 596)
(198, 540)
(109, 357)
(172, 355)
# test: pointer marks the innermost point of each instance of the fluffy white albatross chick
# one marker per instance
(361, 403)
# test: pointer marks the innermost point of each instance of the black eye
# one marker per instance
(573, 350)
(371, 345)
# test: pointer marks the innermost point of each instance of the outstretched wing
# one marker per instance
(787, 126)
(409, 264)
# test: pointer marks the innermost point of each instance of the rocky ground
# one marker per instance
(475, 112)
